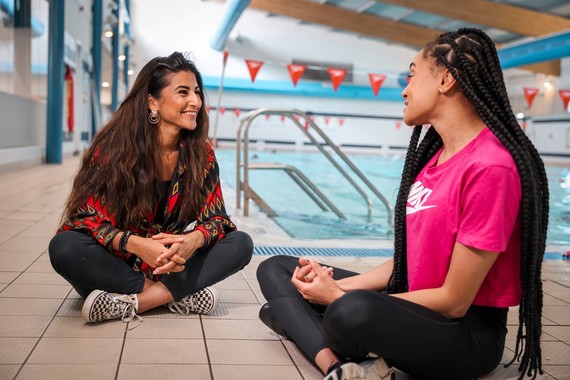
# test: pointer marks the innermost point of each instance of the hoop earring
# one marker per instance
(153, 117)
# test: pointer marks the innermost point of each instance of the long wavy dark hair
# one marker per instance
(123, 165)
(471, 57)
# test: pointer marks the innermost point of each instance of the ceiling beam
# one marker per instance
(547, 68)
(348, 20)
(488, 13)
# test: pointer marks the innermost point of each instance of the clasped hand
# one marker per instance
(315, 282)
(168, 253)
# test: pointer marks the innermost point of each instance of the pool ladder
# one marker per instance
(304, 183)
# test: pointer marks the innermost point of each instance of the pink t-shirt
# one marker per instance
(472, 198)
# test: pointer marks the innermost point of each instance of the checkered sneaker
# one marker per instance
(204, 301)
(375, 369)
(101, 306)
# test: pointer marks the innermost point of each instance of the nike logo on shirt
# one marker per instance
(417, 196)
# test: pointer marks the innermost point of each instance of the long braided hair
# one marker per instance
(471, 57)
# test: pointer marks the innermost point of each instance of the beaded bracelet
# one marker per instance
(123, 242)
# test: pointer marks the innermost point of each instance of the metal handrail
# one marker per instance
(304, 183)
(246, 122)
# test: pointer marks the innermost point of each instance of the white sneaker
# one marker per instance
(375, 369)
(204, 301)
(101, 306)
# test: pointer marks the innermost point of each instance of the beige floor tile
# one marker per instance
(164, 351)
(235, 311)
(233, 282)
(9, 371)
(555, 353)
(15, 261)
(71, 307)
(40, 266)
(165, 371)
(7, 277)
(558, 372)
(34, 291)
(15, 350)
(155, 328)
(25, 215)
(23, 326)
(76, 327)
(559, 332)
(247, 352)
(244, 329)
(12, 228)
(238, 296)
(76, 351)
(310, 372)
(296, 354)
(164, 313)
(29, 306)
(44, 230)
(558, 314)
(556, 290)
(42, 278)
(245, 372)
(26, 245)
(549, 300)
(66, 371)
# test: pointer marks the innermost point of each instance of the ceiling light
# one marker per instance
(122, 57)
(520, 115)
(108, 34)
(130, 72)
(105, 84)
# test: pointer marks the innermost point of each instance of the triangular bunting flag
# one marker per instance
(267, 116)
(253, 67)
(237, 112)
(565, 96)
(337, 75)
(376, 81)
(282, 118)
(296, 71)
(327, 120)
(529, 94)
(222, 110)
(341, 121)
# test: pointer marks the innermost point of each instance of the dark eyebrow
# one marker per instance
(182, 87)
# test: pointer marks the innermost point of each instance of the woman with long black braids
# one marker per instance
(470, 231)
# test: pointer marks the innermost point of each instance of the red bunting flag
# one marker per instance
(237, 112)
(529, 94)
(327, 120)
(253, 67)
(565, 96)
(222, 110)
(376, 81)
(282, 118)
(341, 121)
(398, 124)
(267, 116)
(226, 54)
(296, 71)
(337, 75)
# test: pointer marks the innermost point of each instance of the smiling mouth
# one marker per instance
(190, 113)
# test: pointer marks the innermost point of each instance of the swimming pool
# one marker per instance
(301, 218)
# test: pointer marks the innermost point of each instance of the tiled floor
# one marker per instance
(42, 335)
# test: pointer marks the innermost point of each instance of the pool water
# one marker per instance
(301, 218)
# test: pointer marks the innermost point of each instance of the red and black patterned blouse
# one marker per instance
(95, 219)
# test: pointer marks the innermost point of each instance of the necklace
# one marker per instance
(167, 155)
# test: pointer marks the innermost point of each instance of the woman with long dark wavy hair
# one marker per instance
(470, 230)
(145, 224)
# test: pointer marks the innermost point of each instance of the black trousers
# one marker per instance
(87, 265)
(409, 336)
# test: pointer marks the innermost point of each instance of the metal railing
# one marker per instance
(248, 193)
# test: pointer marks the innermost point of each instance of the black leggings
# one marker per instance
(411, 337)
(87, 265)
